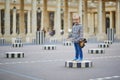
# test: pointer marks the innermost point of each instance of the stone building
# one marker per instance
(22, 18)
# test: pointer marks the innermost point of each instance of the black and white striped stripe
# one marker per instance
(53, 40)
(78, 64)
(40, 38)
(49, 47)
(67, 43)
(17, 45)
(14, 54)
(103, 45)
(96, 51)
(17, 42)
(108, 42)
(2, 41)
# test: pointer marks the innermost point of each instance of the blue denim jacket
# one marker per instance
(77, 33)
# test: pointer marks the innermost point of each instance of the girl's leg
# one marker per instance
(80, 53)
(76, 51)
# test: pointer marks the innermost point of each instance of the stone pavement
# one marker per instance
(39, 64)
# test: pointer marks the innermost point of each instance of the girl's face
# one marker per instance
(77, 20)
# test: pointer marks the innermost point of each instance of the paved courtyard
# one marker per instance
(39, 64)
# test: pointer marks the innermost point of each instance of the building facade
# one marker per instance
(22, 18)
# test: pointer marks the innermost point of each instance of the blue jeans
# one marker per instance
(78, 52)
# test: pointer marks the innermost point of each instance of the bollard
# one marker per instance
(49, 47)
(14, 54)
(96, 51)
(78, 64)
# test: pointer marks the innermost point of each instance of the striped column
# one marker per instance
(96, 51)
(49, 47)
(40, 37)
(14, 54)
(79, 64)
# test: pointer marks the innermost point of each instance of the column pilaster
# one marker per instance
(117, 35)
(0, 24)
(92, 20)
(42, 20)
(7, 36)
(111, 19)
(7, 18)
(45, 16)
(34, 18)
(65, 17)
(28, 36)
(80, 10)
(14, 22)
(101, 20)
(85, 20)
(22, 23)
(57, 26)
(28, 22)
(70, 20)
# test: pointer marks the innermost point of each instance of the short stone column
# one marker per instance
(108, 42)
(17, 43)
(2, 41)
(96, 51)
(103, 45)
(67, 43)
(14, 54)
(40, 37)
(49, 47)
(79, 64)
